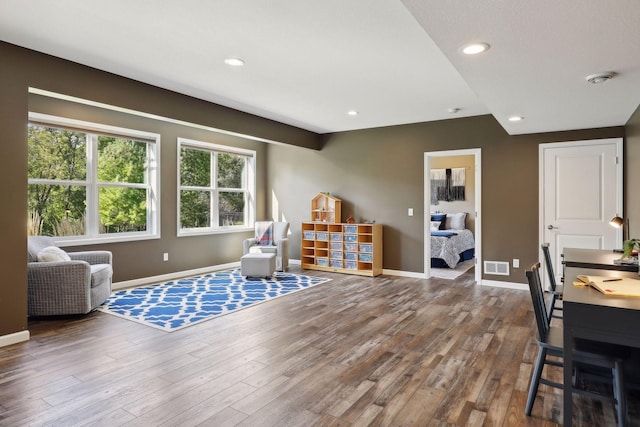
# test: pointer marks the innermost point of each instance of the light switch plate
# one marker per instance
(410, 212)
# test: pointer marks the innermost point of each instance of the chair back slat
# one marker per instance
(537, 298)
(549, 265)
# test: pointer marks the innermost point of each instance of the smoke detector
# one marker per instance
(599, 77)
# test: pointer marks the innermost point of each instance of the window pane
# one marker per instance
(231, 208)
(122, 209)
(230, 170)
(56, 153)
(56, 210)
(195, 167)
(121, 160)
(195, 209)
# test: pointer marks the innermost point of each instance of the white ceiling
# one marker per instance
(395, 62)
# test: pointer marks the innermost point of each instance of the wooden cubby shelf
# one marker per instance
(342, 248)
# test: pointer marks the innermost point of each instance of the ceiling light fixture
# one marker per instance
(599, 77)
(516, 118)
(454, 110)
(475, 48)
(352, 112)
(234, 62)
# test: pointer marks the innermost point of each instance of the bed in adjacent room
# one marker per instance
(451, 241)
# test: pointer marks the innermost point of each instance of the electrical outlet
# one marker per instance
(516, 263)
(165, 256)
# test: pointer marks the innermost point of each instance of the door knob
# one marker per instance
(551, 227)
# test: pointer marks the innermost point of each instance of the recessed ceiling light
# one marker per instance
(475, 48)
(516, 118)
(599, 77)
(454, 110)
(234, 62)
(352, 112)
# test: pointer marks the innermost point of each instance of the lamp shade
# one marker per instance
(616, 221)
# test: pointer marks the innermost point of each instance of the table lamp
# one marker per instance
(620, 222)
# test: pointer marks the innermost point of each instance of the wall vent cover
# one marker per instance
(496, 267)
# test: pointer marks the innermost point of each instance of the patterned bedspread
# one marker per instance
(449, 248)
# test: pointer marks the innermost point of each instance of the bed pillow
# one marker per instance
(53, 254)
(434, 226)
(455, 221)
(441, 217)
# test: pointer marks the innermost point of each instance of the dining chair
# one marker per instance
(556, 290)
(606, 368)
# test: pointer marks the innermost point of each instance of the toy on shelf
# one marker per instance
(326, 208)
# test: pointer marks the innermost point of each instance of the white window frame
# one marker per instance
(152, 185)
(250, 199)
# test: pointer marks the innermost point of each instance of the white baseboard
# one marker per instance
(400, 273)
(170, 276)
(494, 283)
(14, 338)
(508, 285)
(186, 273)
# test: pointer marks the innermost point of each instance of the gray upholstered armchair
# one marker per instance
(277, 242)
(76, 286)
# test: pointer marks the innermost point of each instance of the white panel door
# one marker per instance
(581, 190)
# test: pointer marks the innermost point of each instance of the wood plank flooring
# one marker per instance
(355, 351)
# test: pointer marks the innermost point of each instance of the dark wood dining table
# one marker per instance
(590, 314)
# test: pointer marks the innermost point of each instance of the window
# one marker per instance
(216, 188)
(91, 183)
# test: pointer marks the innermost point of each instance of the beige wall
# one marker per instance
(468, 204)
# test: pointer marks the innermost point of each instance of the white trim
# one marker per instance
(165, 119)
(412, 274)
(63, 241)
(92, 236)
(249, 191)
(220, 230)
(186, 273)
(14, 338)
(541, 200)
(212, 146)
(507, 285)
(170, 276)
(92, 127)
(477, 153)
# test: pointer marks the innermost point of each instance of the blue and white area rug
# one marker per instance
(180, 303)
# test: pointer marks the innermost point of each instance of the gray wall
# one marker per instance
(378, 174)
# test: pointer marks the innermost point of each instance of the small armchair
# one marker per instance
(76, 286)
(271, 237)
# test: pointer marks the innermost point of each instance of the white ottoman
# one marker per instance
(258, 264)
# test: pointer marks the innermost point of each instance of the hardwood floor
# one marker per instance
(355, 351)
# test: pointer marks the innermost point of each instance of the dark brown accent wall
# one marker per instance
(632, 174)
(21, 69)
(378, 173)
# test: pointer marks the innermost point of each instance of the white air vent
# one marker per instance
(496, 267)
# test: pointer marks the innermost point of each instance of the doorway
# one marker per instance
(475, 214)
